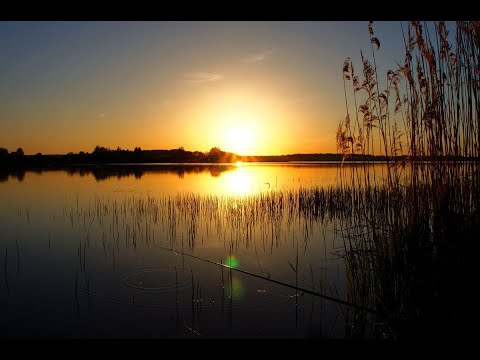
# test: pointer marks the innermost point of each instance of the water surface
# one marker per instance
(103, 252)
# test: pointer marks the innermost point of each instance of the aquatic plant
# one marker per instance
(409, 243)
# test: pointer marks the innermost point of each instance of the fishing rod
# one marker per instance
(307, 291)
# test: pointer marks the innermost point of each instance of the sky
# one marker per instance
(254, 88)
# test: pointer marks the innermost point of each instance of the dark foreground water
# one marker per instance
(117, 252)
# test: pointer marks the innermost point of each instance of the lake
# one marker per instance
(137, 252)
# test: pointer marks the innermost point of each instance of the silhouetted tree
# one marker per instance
(19, 152)
(100, 149)
(215, 154)
(3, 153)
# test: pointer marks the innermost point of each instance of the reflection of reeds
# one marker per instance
(278, 217)
(5, 271)
(335, 299)
(274, 214)
(18, 256)
(409, 245)
(176, 300)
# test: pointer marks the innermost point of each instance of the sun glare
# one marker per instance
(239, 140)
(238, 182)
(239, 124)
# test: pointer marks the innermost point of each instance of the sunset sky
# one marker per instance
(254, 88)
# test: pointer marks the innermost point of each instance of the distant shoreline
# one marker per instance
(180, 157)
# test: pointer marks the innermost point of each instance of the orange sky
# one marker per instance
(260, 88)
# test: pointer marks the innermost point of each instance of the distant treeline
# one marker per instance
(102, 155)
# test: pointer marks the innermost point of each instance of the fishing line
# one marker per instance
(311, 292)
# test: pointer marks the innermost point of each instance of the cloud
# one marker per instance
(256, 58)
(201, 77)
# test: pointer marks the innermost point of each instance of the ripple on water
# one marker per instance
(169, 288)
(153, 287)
(157, 279)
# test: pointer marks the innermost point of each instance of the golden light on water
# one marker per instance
(238, 182)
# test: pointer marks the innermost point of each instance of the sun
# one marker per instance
(239, 140)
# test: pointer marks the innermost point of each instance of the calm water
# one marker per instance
(89, 253)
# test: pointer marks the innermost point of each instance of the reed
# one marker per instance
(409, 245)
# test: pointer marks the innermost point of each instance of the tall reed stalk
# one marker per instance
(409, 244)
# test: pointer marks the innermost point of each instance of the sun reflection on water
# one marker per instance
(239, 182)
